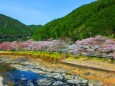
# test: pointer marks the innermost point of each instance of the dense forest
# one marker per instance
(33, 28)
(96, 18)
(10, 26)
(12, 29)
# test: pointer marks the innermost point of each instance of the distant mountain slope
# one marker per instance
(33, 28)
(96, 18)
(12, 29)
(10, 26)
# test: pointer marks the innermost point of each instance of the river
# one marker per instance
(23, 72)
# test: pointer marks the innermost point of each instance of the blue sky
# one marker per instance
(39, 11)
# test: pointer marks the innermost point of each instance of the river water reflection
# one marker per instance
(18, 77)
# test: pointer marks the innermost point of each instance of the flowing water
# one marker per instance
(24, 72)
(18, 77)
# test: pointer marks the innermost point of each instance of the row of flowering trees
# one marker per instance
(54, 45)
(94, 46)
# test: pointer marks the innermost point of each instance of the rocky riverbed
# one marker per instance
(50, 77)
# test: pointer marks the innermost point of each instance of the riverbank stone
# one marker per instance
(84, 82)
(1, 80)
(58, 76)
(68, 77)
(58, 83)
(98, 83)
(74, 81)
(60, 71)
(76, 77)
(45, 82)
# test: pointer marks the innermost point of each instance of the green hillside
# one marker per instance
(10, 26)
(96, 18)
(33, 28)
(12, 29)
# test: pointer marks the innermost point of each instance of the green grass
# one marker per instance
(54, 56)
(82, 57)
(48, 56)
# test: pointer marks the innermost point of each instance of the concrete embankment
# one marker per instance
(91, 64)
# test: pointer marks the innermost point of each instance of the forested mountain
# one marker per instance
(33, 28)
(12, 29)
(10, 26)
(96, 18)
